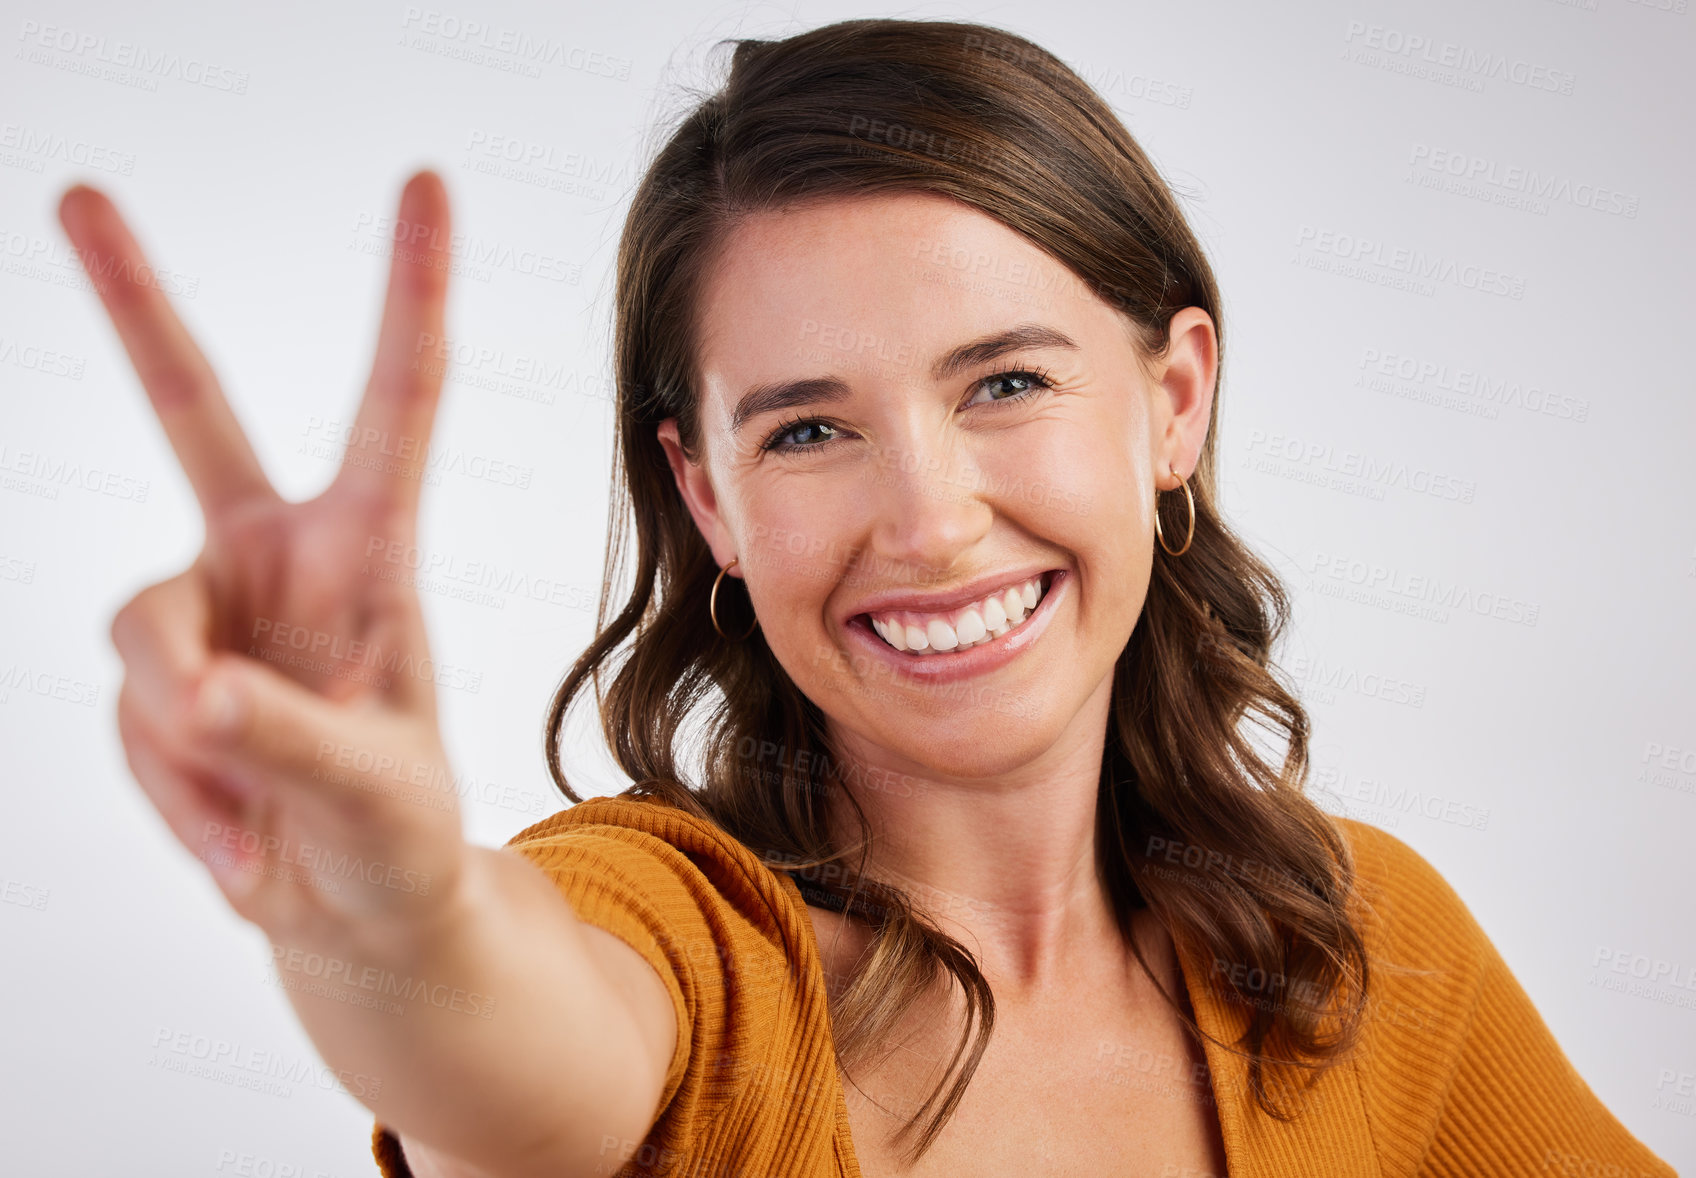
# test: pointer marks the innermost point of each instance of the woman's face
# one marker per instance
(889, 476)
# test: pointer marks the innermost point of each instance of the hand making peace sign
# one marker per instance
(326, 803)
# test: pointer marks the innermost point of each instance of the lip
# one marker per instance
(946, 599)
(975, 660)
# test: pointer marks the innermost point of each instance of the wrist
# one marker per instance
(427, 931)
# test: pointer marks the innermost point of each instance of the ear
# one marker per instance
(1182, 396)
(696, 488)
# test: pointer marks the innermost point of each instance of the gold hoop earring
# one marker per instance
(1159, 533)
(712, 605)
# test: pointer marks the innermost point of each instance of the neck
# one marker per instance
(1005, 863)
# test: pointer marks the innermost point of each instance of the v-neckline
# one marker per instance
(1227, 1098)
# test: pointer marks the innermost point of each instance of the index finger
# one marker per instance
(209, 443)
(387, 457)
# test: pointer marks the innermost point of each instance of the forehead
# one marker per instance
(873, 284)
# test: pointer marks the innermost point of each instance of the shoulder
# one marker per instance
(1429, 961)
(1424, 973)
(1430, 967)
(1451, 1041)
(694, 876)
(639, 820)
(1407, 908)
(706, 912)
(1382, 858)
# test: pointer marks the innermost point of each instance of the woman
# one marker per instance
(914, 343)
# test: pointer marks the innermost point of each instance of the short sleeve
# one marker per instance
(666, 904)
(1470, 1078)
(632, 885)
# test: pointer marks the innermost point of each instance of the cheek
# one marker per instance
(1081, 483)
(784, 530)
(794, 546)
(1084, 488)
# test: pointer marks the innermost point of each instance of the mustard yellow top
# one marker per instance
(1457, 1073)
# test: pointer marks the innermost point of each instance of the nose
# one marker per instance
(927, 510)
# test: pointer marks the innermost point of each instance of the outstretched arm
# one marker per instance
(574, 1050)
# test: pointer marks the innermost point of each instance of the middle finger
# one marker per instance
(385, 461)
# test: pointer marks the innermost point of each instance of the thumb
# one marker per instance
(292, 738)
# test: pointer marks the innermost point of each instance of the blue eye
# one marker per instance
(1033, 380)
(775, 441)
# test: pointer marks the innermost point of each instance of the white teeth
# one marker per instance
(972, 626)
(1014, 603)
(941, 635)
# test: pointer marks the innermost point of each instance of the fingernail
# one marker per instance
(218, 709)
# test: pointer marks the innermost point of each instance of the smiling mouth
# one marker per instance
(993, 617)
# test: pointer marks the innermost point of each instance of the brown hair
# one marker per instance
(1193, 820)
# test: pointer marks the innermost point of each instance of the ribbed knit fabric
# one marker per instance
(1457, 1074)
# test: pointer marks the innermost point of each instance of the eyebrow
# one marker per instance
(789, 394)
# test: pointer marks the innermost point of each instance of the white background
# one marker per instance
(1549, 769)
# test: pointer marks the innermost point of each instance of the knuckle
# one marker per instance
(124, 622)
(220, 709)
(129, 725)
(421, 278)
(248, 905)
(136, 616)
(140, 726)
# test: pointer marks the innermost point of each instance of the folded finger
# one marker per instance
(354, 753)
(163, 635)
(196, 815)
